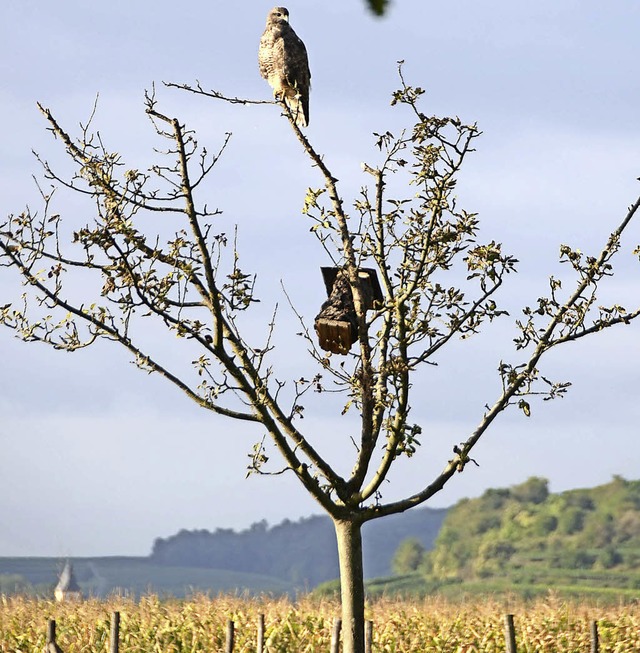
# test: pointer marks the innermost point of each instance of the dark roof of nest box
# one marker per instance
(370, 286)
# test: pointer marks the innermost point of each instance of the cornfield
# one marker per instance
(151, 625)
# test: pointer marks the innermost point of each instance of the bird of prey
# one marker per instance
(284, 64)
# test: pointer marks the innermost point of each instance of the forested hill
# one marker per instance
(528, 537)
(303, 552)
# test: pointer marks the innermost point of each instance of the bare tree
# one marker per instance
(438, 282)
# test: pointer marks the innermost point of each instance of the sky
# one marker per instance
(98, 458)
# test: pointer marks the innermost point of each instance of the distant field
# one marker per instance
(101, 577)
(575, 585)
(135, 577)
(199, 624)
(412, 587)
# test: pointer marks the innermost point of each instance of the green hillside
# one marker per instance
(525, 540)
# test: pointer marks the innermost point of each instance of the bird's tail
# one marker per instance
(299, 106)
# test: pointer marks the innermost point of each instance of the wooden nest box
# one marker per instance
(336, 324)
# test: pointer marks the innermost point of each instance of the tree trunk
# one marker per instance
(349, 536)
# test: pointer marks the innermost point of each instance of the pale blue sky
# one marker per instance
(98, 458)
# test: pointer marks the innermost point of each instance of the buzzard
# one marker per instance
(284, 64)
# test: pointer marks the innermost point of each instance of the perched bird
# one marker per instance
(283, 62)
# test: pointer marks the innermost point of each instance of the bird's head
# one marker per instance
(278, 15)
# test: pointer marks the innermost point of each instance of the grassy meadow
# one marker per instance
(199, 624)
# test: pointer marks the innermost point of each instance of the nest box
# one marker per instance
(336, 324)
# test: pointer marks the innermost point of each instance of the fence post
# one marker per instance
(260, 642)
(335, 636)
(230, 637)
(51, 631)
(368, 637)
(510, 633)
(114, 639)
(595, 646)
